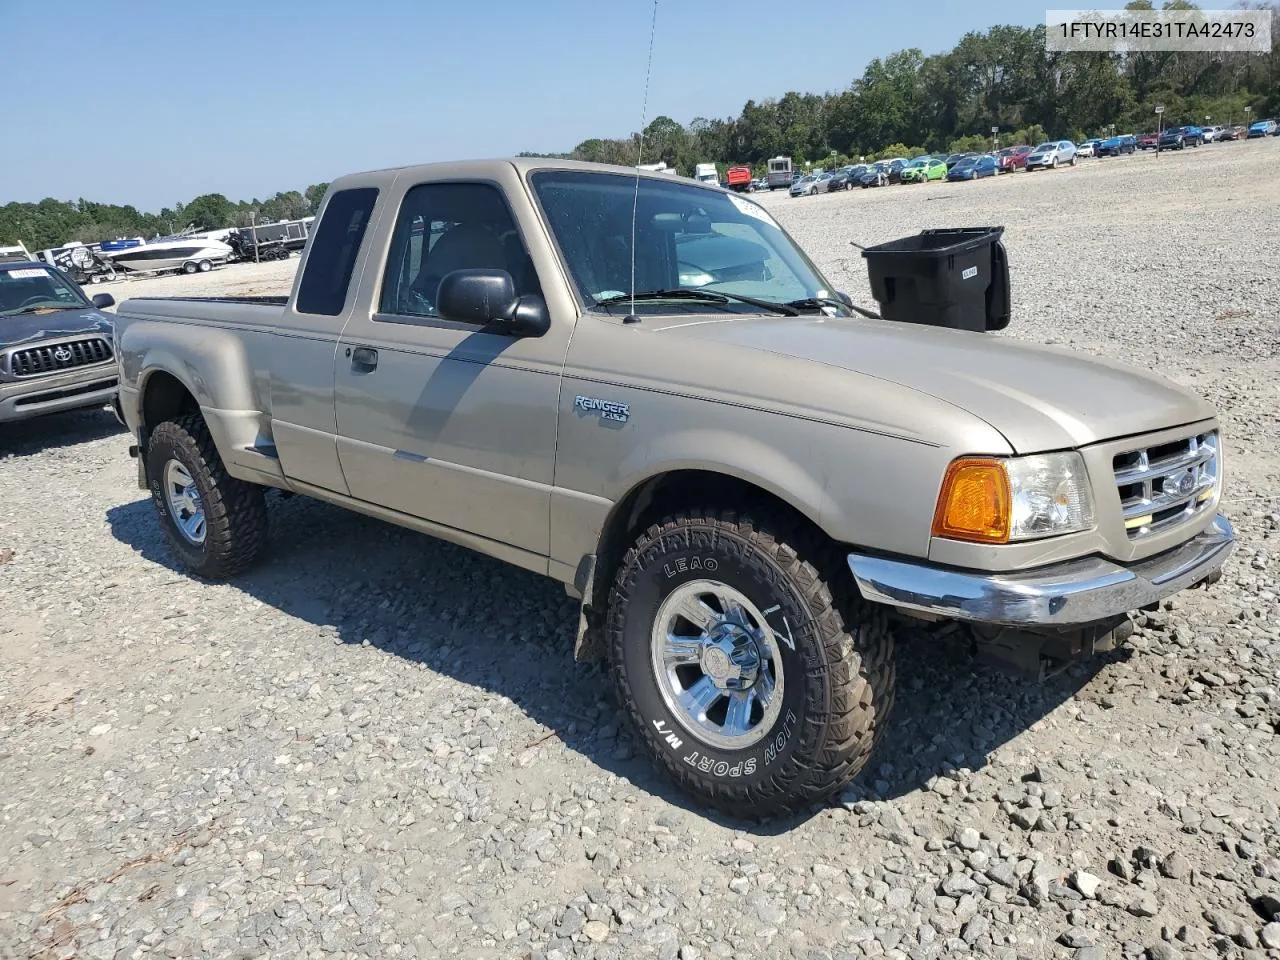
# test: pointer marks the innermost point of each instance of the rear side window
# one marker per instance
(334, 247)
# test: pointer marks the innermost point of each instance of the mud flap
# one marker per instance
(588, 645)
(135, 451)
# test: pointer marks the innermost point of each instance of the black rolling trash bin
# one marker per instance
(954, 277)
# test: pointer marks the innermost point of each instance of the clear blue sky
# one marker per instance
(151, 103)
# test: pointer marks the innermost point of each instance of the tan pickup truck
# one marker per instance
(640, 386)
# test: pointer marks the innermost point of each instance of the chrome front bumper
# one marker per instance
(1064, 594)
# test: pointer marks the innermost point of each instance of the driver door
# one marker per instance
(443, 420)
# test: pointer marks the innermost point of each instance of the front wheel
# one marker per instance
(215, 524)
(748, 666)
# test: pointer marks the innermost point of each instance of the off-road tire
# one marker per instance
(838, 680)
(235, 511)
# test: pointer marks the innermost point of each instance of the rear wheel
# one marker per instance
(190, 267)
(748, 666)
(205, 266)
(215, 524)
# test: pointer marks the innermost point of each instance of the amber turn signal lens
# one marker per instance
(975, 502)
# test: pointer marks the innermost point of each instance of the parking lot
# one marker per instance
(378, 745)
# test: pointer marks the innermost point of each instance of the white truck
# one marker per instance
(706, 173)
(15, 254)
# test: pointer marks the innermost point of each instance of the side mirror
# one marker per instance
(103, 300)
(488, 298)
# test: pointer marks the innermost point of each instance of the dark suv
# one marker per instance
(1176, 138)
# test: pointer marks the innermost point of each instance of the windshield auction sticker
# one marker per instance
(1135, 31)
(752, 210)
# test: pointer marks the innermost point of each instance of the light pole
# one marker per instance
(1159, 126)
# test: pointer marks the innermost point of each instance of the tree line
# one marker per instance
(908, 103)
(51, 223)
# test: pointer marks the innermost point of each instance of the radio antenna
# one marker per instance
(635, 200)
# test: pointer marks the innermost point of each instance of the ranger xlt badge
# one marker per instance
(608, 409)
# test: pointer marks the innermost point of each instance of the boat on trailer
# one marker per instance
(188, 254)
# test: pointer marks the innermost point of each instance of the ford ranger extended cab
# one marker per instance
(642, 387)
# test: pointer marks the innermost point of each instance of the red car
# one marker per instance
(1147, 141)
(1011, 158)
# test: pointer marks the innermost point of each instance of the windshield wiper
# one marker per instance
(703, 296)
(814, 303)
(37, 309)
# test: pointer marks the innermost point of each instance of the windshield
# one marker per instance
(36, 289)
(1045, 147)
(966, 161)
(687, 238)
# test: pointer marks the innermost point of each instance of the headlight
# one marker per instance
(988, 500)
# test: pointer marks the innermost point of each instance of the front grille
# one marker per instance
(1168, 484)
(53, 357)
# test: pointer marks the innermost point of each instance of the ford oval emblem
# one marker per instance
(1184, 484)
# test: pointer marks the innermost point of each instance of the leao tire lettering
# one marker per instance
(687, 564)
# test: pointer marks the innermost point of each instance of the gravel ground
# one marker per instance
(377, 745)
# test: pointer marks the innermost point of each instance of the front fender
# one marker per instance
(720, 450)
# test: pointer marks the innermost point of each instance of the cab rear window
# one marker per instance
(334, 248)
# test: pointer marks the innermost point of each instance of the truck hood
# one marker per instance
(1040, 398)
(34, 327)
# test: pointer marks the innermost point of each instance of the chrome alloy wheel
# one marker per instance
(717, 664)
(184, 502)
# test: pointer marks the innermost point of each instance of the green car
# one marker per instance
(924, 168)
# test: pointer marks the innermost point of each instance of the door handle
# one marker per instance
(364, 359)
